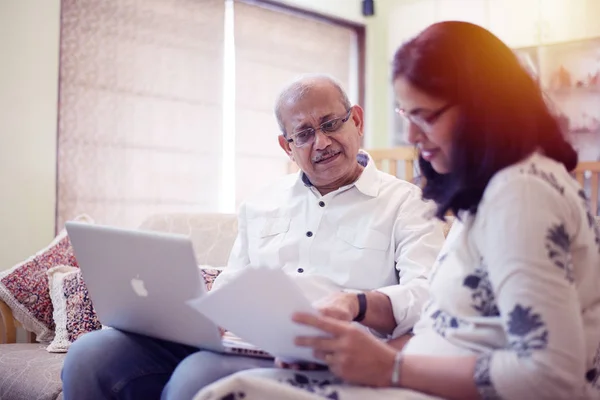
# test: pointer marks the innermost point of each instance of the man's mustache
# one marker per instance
(326, 154)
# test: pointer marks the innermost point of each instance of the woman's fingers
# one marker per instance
(319, 343)
(321, 322)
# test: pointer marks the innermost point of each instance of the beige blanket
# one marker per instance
(261, 384)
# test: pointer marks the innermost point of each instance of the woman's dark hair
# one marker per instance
(503, 115)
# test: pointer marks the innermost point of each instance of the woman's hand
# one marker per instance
(351, 353)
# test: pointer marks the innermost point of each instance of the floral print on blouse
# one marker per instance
(518, 284)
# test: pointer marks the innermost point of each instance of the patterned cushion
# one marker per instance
(210, 274)
(24, 287)
(74, 313)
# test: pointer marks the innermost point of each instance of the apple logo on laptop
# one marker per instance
(139, 287)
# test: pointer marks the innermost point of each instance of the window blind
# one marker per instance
(139, 108)
(272, 47)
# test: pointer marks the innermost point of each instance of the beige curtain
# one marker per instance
(140, 108)
(271, 48)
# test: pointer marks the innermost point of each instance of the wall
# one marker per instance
(29, 44)
(377, 84)
(29, 41)
(519, 23)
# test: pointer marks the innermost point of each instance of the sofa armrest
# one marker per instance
(8, 324)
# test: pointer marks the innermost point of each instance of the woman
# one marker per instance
(515, 295)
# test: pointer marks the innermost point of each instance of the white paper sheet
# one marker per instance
(257, 305)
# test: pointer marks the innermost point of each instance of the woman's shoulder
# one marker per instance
(535, 173)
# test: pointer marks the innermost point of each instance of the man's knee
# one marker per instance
(99, 349)
(90, 361)
(192, 374)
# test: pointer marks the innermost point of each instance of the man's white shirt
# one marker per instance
(374, 234)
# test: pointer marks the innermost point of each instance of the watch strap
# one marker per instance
(362, 307)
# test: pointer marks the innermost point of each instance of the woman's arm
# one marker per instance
(524, 235)
(360, 358)
(448, 377)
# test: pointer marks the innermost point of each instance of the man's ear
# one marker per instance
(285, 145)
(358, 118)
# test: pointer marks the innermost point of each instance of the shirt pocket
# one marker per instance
(360, 258)
(363, 238)
(273, 226)
(266, 238)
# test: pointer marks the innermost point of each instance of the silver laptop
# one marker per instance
(140, 281)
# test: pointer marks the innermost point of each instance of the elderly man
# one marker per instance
(357, 240)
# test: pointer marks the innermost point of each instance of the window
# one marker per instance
(139, 108)
(271, 48)
(167, 105)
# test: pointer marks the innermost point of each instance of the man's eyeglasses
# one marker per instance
(307, 136)
(425, 123)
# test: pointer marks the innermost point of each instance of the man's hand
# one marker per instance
(341, 306)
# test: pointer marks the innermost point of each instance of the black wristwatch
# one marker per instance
(362, 307)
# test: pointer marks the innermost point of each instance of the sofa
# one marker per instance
(28, 371)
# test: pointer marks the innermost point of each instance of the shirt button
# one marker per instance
(309, 233)
(300, 270)
(322, 204)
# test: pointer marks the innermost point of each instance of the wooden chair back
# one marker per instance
(588, 176)
(387, 160)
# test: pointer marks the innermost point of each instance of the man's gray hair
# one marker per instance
(300, 87)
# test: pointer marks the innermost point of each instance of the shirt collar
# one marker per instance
(368, 181)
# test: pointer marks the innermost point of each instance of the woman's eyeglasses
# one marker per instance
(307, 136)
(425, 123)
